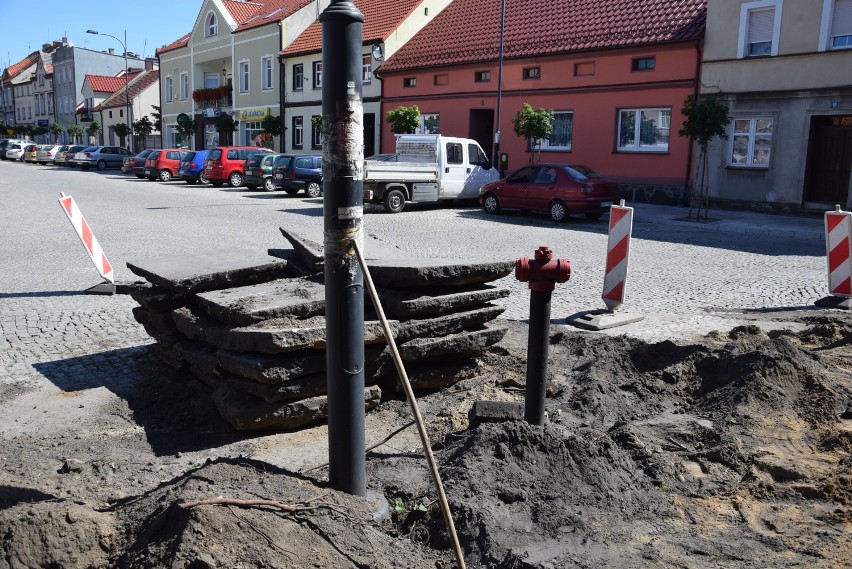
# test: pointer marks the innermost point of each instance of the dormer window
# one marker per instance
(212, 25)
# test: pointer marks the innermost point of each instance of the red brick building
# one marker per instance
(616, 73)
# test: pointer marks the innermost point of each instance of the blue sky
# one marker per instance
(149, 24)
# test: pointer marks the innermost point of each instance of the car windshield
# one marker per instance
(188, 157)
(215, 154)
(254, 160)
(581, 173)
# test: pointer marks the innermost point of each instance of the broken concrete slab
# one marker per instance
(248, 413)
(406, 303)
(246, 305)
(166, 354)
(452, 346)
(309, 253)
(157, 299)
(192, 322)
(298, 388)
(160, 321)
(603, 319)
(495, 412)
(431, 377)
(199, 356)
(447, 324)
(211, 270)
(407, 273)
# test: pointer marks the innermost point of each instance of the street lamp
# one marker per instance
(126, 91)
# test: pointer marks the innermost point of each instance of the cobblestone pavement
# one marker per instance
(686, 278)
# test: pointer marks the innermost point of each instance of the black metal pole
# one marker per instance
(343, 207)
(537, 347)
(495, 157)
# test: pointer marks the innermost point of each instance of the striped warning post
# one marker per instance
(838, 249)
(617, 255)
(69, 206)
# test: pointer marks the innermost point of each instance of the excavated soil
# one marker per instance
(733, 451)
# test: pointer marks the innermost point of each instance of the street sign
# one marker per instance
(183, 119)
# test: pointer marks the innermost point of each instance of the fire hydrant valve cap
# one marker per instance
(544, 271)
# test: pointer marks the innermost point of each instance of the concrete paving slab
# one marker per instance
(603, 319)
(246, 305)
(447, 324)
(404, 273)
(456, 346)
(406, 303)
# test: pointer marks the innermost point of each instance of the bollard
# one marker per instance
(542, 273)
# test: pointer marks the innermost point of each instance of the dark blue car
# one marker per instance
(300, 173)
(191, 167)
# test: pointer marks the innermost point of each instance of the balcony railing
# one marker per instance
(215, 97)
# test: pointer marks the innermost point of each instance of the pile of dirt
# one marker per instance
(732, 451)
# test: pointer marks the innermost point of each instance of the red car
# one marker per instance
(227, 164)
(163, 164)
(557, 189)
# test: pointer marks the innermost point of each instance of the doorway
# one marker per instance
(369, 134)
(482, 128)
(829, 161)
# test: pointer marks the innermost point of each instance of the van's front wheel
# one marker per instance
(394, 201)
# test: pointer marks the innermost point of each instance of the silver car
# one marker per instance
(46, 153)
(101, 157)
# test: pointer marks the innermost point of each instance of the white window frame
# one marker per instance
(316, 135)
(184, 86)
(169, 89)
(299, 71)
(545, 143)
(421, 127)
(244, 77)
(266, 73)
(367, 69)
(211, 24)
(745, 10)
(826, 25)
(752, 134)
(316, 75)
(298, 132)
(636, 145)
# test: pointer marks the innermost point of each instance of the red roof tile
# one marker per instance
(14, 70)
(183, 41)
(136, 86)
(256, 13)
(109, 84)
(534, 28)
(379, 21)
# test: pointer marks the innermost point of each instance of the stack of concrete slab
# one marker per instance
(252, 327)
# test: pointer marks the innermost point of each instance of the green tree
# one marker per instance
(143, 127)
(121, 130)
(76, 131)
(226, 125)
(40, 130)
(186, 131)
(92, 130)
(534, 126)
(705, 119)
(404, 120)
(56, 130)
(271, 126)
(158, 118)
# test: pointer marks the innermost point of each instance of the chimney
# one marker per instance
(111, 51)
(64, 40)
(149, 64)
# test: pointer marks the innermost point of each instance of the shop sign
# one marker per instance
(252, 115)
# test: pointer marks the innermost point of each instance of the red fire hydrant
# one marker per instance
(542, 274)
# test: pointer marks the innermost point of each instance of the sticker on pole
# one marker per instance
(617, 255)
(838, 249)
(84, 232)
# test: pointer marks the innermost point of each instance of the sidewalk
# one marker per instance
(800, 227)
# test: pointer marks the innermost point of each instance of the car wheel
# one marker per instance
(202, 178)
(593, 216)
(235, 180)
(269, 184)
(140, 176)
(394, 201)
(165, 175)
(314, 189)
(292, 191)
(251, 187)
(558, 211)
(491, 204)
(101, 164)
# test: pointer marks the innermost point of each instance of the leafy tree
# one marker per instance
(143, 126)
(404, 120)
(56, 130)
(40, 130)
(121, 130)
(270, 126)
(706, 119)
(93, 129)
(533, 125)
(76, 131)
(226, 126)
(158, 118)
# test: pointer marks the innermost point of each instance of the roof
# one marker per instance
(380, 20)
(183, 41)
(135, 87)
(534, 28)
(256, 13)
(14, 70)
(109, 84)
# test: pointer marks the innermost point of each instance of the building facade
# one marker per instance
(143, 94)
(16, 83)
(782, 67)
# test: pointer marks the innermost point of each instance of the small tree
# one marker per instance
(225, 126)
(271, 127)
(56, 130)
(76, 131)
(533, 126)
(158, 118)
(121, 130)
(92, 130)
(187, 130)
(705, 120)
(404, 120)
(143, 127)
(40, 130)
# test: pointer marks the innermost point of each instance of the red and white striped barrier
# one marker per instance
(838, 249)
(617, 255)
(84, 232)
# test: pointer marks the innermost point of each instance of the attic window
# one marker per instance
(482, 76)
(643, 64)
(532, 72)
(409, 82)
(212, 25)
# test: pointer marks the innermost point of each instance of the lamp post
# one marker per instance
(126, 91)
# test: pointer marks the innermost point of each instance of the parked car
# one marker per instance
(101, 157)
(557, 189)
(15, 151)
(259, 170)
(66, 157)
(300, 173)
(5, 145)
(30, 151)
(46, 153)
(136, 164)
(163, 164)
(191, 169)
(226, 164)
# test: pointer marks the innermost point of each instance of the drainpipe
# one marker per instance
(282, 88)
(160, 97)
(691, 143)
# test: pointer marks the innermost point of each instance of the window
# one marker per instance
(120, 113)
(643, 130)
(110, 114)
(316, 132)
(50, 103)
(244, 77)
(532, 73)
(836, 27)
(367, 69)
(184, 86)
(482, 76)
(409, 82)
(266, 73)
(298, 76)
(298, 131)
(441, 79)
(317, 74)
(212, 25)
(253, 131)
(475, 155)
(563, 132)
(643, 64)
(168, 89)
(760, 24)
(430, 124)
(751, 141)
(211, 80)
(454, 153)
